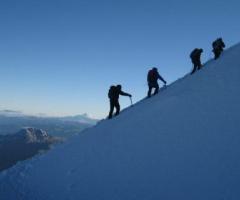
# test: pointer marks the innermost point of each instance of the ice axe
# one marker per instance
(163, 87)
(131, 100)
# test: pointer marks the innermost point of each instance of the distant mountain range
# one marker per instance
(11, 113)
(12, 121)
(83, 118)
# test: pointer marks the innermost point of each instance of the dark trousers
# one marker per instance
(196, 66)
(217, 53)
(151, 86)
(114, 104)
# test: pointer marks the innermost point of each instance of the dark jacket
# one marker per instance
(218, 44)
(114, 92)
(196, 55)
(153, 76)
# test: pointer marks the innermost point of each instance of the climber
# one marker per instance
(196, 59)
(113, 95)
(218, 46)
(152, 79)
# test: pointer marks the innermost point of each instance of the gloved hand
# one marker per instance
(130, 95)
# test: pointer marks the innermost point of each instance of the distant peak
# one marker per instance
(33, 134)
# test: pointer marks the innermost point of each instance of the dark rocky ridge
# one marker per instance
(23, 145)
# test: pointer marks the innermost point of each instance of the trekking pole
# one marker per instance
(163, 87)
(131, 101)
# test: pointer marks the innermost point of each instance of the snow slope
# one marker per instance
(181, 144)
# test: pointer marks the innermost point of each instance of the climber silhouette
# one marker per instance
(218, 46)
(113, 95)
(196, 59)
(152, 79)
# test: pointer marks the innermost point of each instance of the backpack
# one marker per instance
(111, 91)
(218, 44)
(194, 53)
(151, 75)
(215, 44)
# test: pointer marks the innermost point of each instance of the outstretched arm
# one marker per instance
(125, 94)
(161, 78)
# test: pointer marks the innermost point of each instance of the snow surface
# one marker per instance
(183, 143)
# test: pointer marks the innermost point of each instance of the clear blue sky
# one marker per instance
(59, 57)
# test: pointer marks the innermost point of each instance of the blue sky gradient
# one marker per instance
(59, 57)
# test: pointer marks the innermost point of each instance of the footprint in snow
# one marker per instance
(72, 171)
